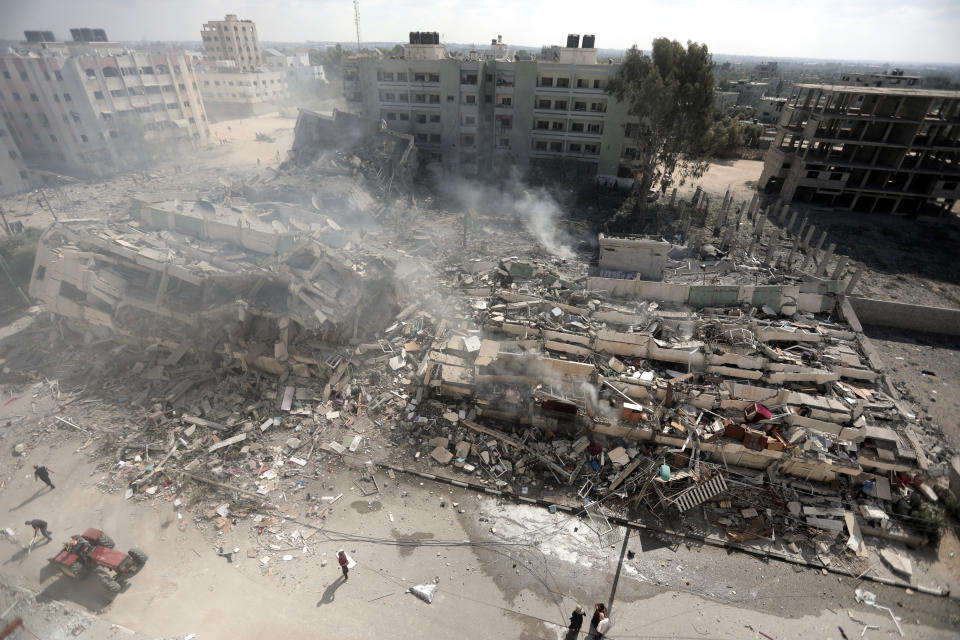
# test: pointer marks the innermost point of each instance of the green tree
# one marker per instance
(670, 92)
(396, 52)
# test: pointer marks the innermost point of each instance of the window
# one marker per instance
(67, 98)
(540, 145)
(546, 82)
(116, 93)
(563, 82)
(76, 117)
(111, 72)
(391, 116)
(434, 77)
(449, 98)
(470, 99)
(598, 106)
(405, 116)
(468, 120)
(560, 105)
(594, 128)
(401, 76)
(543, 104)
(596, 84)
(557, 125)
(503, 142)
(171, 105)
(813, 174)
(467, 140)
(13, 154)
(186, 103)
(98, 95)
(16, 96)
(419, 97)
(556, 146)
(574, 147)
(542, 124)
(435, 137)
(505, 102)
(576, 127)
(34, 98)
(435, 99)
(390, 97)
(592, 149)
(146, 70)
(84, 137)
(421, 137)
(6, 74)
(421, 118)
(579, 106)
(434, 117)
(419, 77)
(182, 87)
(23, 75)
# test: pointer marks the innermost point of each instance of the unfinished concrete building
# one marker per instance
(870, 149)
(232, 40)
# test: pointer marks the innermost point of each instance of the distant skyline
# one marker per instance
(868, 30)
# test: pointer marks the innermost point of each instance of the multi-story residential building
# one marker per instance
(303, 79)
(92, 108)
(232, 40)
(486, 113)
(872, 149)
(229, 94)
(13, 172)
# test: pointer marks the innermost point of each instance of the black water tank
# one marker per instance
(33, 36)
(589, 42)
(100, 35)
(414, 37)
(436, 38)
(573, 40)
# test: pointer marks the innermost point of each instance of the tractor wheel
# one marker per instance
(107, 580)
(106, 541)
(138, 556)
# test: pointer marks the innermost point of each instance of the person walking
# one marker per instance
(344, 561)
(576, 619)
(42, 473)
(39, 526)
(602, 627)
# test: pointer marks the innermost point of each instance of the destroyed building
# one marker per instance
(876, 149)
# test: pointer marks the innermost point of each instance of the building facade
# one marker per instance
(14, 176)
(231, 94)
(484, 113)
(95, 108)
(232, 40)
(892, 78)
(872, 149)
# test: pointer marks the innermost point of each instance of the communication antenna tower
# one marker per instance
(356, 20)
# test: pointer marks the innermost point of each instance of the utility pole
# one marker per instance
(356, 20)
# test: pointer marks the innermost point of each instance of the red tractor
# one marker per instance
(93, 550)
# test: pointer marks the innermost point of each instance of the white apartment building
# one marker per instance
(483, 113)
(232, 40)
(13, 172)
(229, 94)
(92, 108)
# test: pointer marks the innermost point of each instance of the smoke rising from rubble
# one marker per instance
(534, 206)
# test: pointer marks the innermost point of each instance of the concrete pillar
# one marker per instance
(793, 218)
(741, 213)
(803, 227)
(809, 236)
(784, 210)
(758, 231)
(673, 197)
(696, 197)
(853, 281)
(793, 250)
(754, 205)
(807, 256)
(772, 246)
(821, 240)
(825, 260)
(841, 265)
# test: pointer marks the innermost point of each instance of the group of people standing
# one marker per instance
(599, 623)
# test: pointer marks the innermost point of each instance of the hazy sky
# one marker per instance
(881, 30)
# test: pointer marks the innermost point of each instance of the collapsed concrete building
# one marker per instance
(193, 271)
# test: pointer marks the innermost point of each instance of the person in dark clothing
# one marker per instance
(576, 619)
(344, 561)
(43, 474)
(599, 610)
(41, 526)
